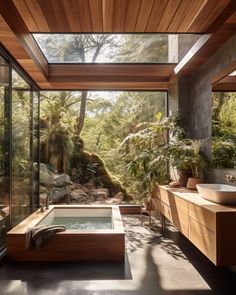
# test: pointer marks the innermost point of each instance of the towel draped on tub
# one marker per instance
(37, 235)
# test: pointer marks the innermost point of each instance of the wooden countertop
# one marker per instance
(193, 197)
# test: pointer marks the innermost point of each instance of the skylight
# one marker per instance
(113, 48)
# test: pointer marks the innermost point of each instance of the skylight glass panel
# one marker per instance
(112, 48)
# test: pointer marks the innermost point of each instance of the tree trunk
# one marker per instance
(82, 112)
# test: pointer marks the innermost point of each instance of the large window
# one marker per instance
(4, 151)
(19, 146)
(103, 141)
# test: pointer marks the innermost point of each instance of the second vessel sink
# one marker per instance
(218, 193)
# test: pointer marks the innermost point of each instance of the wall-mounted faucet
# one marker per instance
(230, 178)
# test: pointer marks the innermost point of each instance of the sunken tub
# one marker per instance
(94, 233)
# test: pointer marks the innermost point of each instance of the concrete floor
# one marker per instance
(155, 264)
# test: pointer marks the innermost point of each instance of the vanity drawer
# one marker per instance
(166, 211)
(179, 214)
(203, 238)
(204, 216)
(165, 196)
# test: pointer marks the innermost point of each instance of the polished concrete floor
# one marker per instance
(155, 264)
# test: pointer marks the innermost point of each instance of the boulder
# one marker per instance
(100, 193)
(61, 180)
(119, 196)
(58, 195)
(46, 176)
(79, 196)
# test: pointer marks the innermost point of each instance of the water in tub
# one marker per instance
(80, 222)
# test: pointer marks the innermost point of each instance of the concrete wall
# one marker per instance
(194, 98)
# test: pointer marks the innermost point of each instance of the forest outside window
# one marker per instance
(115, 48)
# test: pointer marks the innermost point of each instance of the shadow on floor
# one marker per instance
(149, 271)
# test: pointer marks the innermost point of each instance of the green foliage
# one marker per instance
(224, 130)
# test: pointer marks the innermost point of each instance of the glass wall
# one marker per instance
(19, 145)
(21, 155)
(4, 151)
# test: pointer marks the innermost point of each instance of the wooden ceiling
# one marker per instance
(120, 15)
(20, 17)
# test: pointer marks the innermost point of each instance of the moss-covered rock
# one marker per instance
(90, 168)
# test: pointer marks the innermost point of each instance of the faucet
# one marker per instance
(47, 202)
(230, 178)
(46, 207)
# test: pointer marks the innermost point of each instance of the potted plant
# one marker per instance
(197, 161)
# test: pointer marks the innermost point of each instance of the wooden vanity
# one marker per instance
(210, 227)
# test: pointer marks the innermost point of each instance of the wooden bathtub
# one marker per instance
(71, 245)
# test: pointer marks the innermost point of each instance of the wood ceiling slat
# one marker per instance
(156, 14)
(26, 13)
(192, 14)
(211, 11)
(144, 14)
(49, 14)
(167, 15)
(59, 8)
(37, 14)
(132, 11)
(72, 15)
(119, 15)
(179, 15)
(96, 15)
(84, 15)
(107, 15)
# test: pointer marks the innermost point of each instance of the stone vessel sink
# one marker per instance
(218, 193)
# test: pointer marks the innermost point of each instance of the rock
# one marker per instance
(90, 200)
(61, 180)
(119, 196)
(58, 195)
(100, 194)
(43, 190)
(79, 196)
(46, 176)
(85, 189)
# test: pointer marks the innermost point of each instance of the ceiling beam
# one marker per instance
(110, 72)
(223, 73)
(226, 84)
(154, 86)
(17, 25)
(206, 46)
(222, 18)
